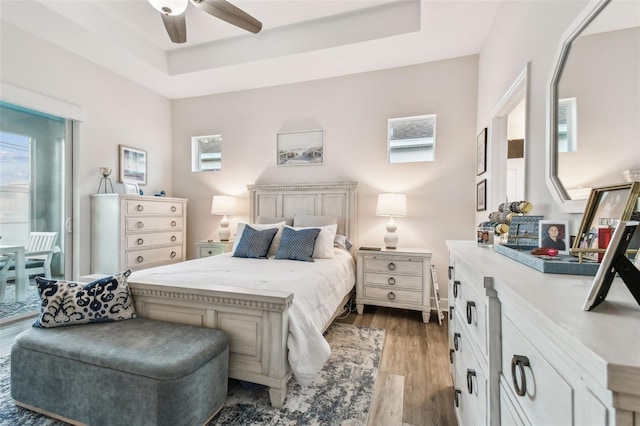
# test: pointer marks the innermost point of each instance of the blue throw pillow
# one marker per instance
(69, 303)
(297, 245)
(255, 244)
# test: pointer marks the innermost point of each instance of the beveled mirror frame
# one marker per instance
(557, 189)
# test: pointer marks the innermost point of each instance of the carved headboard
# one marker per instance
(318, 199)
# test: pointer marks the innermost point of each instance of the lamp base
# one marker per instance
(224, 232)
(391, 238)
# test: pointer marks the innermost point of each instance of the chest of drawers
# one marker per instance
(136, 232)
(394, 278)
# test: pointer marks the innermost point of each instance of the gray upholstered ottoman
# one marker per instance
(134, 372)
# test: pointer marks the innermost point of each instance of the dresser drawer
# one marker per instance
(470, 306)
(546, 397)
(473, 383)
(397, 265)
(390, 281)
(151, 207)
(143, 258)
(138, 224)
(136, 241)
(393, 295)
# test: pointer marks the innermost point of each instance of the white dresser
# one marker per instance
(136, 232)
(523, 351)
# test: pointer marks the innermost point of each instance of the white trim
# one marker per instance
(39, 102)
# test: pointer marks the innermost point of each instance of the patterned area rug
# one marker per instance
(340, 395)
(9, 307)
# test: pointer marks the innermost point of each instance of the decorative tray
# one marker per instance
(560, 264)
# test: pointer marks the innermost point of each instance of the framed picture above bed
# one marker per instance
(300, 148)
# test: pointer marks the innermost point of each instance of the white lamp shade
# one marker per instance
(223, 205)
(170, 7)
(392, 205)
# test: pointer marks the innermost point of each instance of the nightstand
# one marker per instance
(213, 248)
(399, 278)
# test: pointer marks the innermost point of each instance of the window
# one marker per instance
(207, 153)
(567, 125)
(412, 139)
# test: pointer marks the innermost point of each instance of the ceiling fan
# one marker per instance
(173, 11)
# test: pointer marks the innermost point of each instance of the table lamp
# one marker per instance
(223, 205)
(392, 205)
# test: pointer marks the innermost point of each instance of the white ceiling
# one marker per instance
(300, 40)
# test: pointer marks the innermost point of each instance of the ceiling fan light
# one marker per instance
(170, 7)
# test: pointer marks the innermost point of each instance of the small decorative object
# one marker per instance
(133, 165)
(485, 236)
(105, 172)
(301, 148)
(140, 191)
(223, 205)
(392, 205)
(481, 150)
(161, 194)
(131, 188)
(523, 231)
(553, 234)
(481, 195)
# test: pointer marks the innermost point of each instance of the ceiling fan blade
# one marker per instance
(176, 27)
(229, 13)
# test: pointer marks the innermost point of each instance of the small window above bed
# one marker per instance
(206, 153)
(412, 139)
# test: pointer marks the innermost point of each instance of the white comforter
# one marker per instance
(318, 288)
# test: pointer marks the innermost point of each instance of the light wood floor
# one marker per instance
(414, 386)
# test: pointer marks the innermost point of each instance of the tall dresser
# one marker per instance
(524, 352)
(136, 232)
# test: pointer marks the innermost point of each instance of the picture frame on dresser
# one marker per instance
(131, 188)
(133, 165)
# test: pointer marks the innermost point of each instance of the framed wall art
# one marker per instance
(481, 195)
(133, 165)
(481, 150)
(300, 148)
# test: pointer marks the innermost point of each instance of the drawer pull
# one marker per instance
(173, 254)
(139, 259)
(456, 283)
(173, 209)
(451, 352)
(391, 281)
(470, 375)
(140, 241)
(470, 306)
(173, 238)
(391, 296)
(391, 266)
(456, 397)
(140, 225)
(519, 361)
(210, 253)
(450, 271)
(174, 223)
(456, 341)
(451, 308)
(139, 207)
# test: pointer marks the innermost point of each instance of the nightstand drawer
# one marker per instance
(393, 295)
(410, 282)
(397, 265)
(212, 250)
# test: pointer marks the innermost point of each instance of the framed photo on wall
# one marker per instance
(481, 149)
(301, 148)
(481, 195)
(554, 234)
(133, 165)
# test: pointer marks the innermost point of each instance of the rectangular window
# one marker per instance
(207, 153)
(567, 125)
(412, 139)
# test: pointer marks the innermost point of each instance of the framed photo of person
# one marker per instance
(554, 234)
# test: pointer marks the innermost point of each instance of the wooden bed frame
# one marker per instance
(255, 320)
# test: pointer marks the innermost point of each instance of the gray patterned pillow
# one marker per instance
(255, 244)
(69, 302)
(298, 245)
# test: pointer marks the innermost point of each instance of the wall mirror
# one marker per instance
(594, 103)
(411, 139)
(206, 153)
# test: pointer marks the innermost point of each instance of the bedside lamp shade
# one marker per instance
(392, 205)
(223, 205)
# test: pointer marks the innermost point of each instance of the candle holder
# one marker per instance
(105, 172)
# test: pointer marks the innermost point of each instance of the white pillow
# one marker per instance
(323, 248)
(258, 227)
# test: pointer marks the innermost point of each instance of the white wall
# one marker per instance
(353, 111)
(117, 112)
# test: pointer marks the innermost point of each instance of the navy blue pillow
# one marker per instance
(297, 245)
(255, 244)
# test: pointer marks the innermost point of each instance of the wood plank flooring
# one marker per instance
(414, 386)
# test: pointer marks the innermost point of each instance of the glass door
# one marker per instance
(34, 148)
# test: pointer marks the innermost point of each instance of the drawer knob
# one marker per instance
(450, 272)
(451, 352)
(391, 296)
(456, 397)
(456, 341)
(451, 308)
(210, 252)
(173, 209)
(455, 288)
(140, 241)
(173, 254)
(140, 225)
(391, 281)
(470, 375)
(139, 259)
(173, 238)
(470, 307)
(519, 361)
(391, 266)
(174, 223)
(139, 207)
